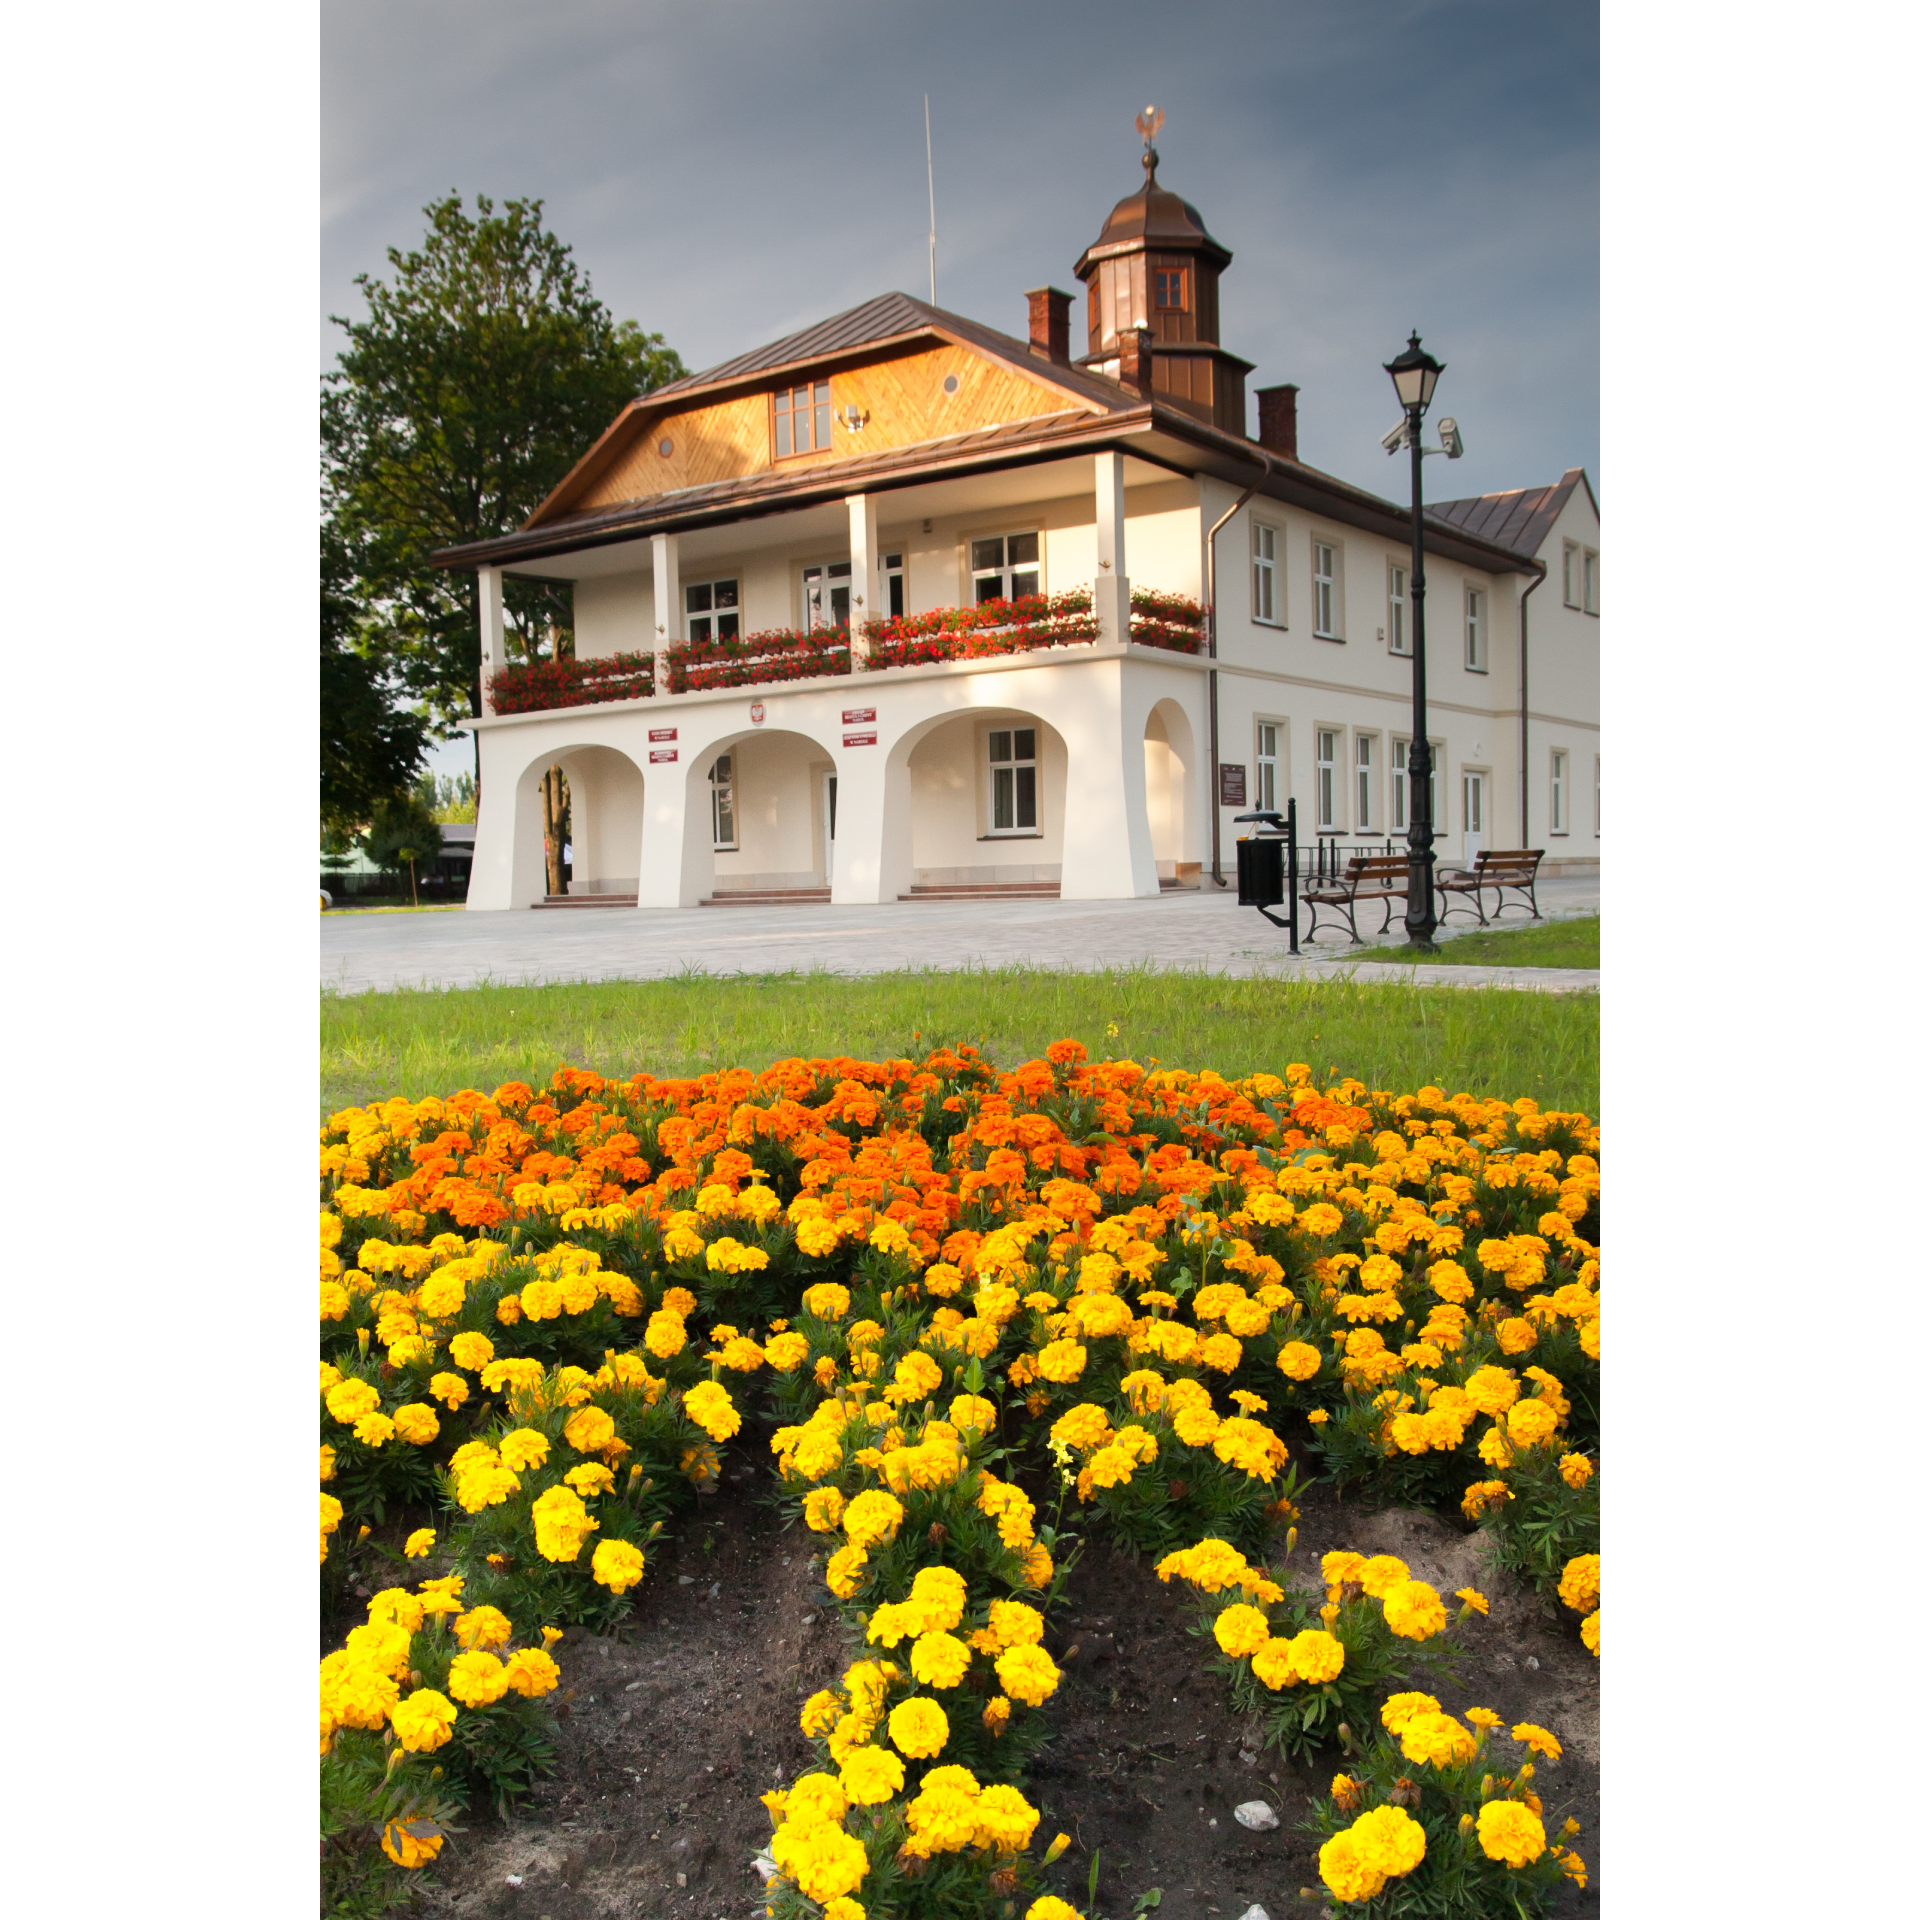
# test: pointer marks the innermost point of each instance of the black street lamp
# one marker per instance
(1415, 374)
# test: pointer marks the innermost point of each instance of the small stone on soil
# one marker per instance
(1257, 1815)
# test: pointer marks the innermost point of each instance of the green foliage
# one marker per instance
(363, 1785)
(1546, 1522)
(369, 747)
(449, 797)
(479, 374)
(404, 836)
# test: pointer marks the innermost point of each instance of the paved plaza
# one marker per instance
(1203, 932)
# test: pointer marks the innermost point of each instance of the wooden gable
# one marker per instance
(903, 396)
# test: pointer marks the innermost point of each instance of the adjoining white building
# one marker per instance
(802, 540)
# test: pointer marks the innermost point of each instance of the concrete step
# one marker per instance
(771, 897)
(588, 900)
(1006, 890)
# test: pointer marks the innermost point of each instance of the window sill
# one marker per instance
(1479, 669)
(1337, 639)
(1275, 626)
(1024, 833)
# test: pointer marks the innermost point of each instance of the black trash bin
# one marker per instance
(1269, 869)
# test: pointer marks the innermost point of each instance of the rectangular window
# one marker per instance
(1006, 567)
(1557, 791)
(1590, 581)
(1596, 796)
(1399, 786)
(713, 610)
(1323, 778)
(802, 419)
(1266, 564)
(1570, 572)
(1266, 764)
(1324, 608)
(1170, 289)
(1014, 773)
(827, 594)
(1363, 777)
(1397, 611)
(893, 585)
(1476, 630)
(725, 839)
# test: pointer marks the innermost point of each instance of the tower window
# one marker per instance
(1170, 289)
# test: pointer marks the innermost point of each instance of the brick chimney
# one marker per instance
(1279, 429)
(1047, 323)
(1136, 359)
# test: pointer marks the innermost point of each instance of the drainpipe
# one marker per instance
(1525, 730)
(1213, 673)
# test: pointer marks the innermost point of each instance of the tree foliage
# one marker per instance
(370, 750)
(480, 373)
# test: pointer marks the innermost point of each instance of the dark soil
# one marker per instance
(673, 1728)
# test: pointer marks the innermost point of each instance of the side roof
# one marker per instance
(1519, 519)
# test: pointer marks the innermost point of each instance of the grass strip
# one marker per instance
(1548, 943)
(1390, 1034)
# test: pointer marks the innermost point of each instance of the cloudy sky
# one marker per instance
(730, 171)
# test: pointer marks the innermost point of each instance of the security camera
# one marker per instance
(1449, 432)
(1397, 439)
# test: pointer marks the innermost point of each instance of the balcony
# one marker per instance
(780, 655)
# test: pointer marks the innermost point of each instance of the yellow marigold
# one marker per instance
(1241, 1630)
(871, 1775)
(1471, 1600)
(352, 1400)
(423, 1721)
(846, 1570)
(1482, 1495)
(1062, 1361)
(1316, 1657)
(1273, 1663)
(1051, 1907)
(1380, 1572)
(1492, 1389)
(823, 1860)
(972, 1413)
(1510, 1833)
(532, 1671)
(941, 1595)
(524, 1448)
(1399, 1710)
(819, 1714)
(470, 1350)
(1298, 1360)
(1004, 1819)
(476, 1679)
(1531, 1423)
(824, 1506)
(450, 1390)
(561, 1524)
(1413, 1610)
(872, 1518)
(1484, 1717)
(1580, 1582)
(1536, 1738)
(419, 1543)
(618, 1564)
(590, 1430)
(1590, 1633)
(996, 1713)
(787, 1351)
(1437, 1739)
(1576, 1470)
(411, 1843)
(709, 1407)
(1028, 1674)
(918, 1727)
(939, 1660)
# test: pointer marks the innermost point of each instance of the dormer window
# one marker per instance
(1170, 289)
(802, 420)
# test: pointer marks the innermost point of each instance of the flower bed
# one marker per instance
(546, 1320)
(756, 659)
(544, 684)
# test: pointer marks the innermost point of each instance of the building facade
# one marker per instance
(903, 605)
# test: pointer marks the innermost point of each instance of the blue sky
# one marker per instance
(732, 171)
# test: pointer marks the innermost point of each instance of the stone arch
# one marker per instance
(779, 811)
(945, 769)
(1173, 793)
(608, 796)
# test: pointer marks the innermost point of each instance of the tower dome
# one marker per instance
(1156, 266)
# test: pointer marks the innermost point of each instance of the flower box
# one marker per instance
(542, 685)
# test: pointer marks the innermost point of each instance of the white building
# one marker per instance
(800, 539)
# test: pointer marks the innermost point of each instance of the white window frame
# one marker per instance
(1269, 788)
(1485, 777)
(1570, 574)
(710, 617)
(1558, 762)
(893, 584)
(1475, 617)
(1008, 569)
(1326, 588)
(1326, 778)
(816, 607)
(1014, 763)
(726, 802)
(1596, 796)
(1399, 633)
(1266, 599)
(1366, 771)
(1590, 580)
(1399, 788)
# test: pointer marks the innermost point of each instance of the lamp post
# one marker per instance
(1415, 374)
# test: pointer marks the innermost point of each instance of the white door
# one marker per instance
(1471, 842)
(829, 808)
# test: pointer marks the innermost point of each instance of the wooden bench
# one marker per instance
(1512, 870)
(1367, 877)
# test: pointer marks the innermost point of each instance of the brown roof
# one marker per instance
(1153, 217)
(1518, 519)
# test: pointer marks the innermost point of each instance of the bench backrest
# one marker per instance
(1371, 866)
(1517, 860)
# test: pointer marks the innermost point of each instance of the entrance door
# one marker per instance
(1471, 789)
(829, 594)
(829, 809)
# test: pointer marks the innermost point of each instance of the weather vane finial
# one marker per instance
(1147, 124)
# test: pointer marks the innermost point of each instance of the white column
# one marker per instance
(1107, 842)
(1110, 600)
(676, 843)
(873, 843)
(863, 529)
(493, 634)
(669, 605)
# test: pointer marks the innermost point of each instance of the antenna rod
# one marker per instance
(933, 284)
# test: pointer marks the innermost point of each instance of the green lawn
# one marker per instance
(1395, 1035)
(1531, 943)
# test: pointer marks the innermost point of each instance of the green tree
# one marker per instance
(370, 749)
(479, 375)
(404, 833)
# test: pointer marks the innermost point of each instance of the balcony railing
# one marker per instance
(542, 685)
(783, 654)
